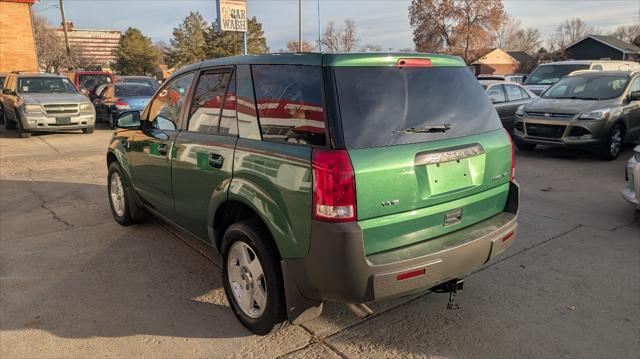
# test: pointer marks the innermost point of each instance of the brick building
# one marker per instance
(94, 47)
(17, 47)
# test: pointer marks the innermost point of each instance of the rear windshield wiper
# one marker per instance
(428, 129)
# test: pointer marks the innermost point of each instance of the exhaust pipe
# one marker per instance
(361, 310)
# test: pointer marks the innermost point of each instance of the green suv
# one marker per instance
(322, 177)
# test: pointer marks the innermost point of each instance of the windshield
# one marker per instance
(45, 85)
(550, 74)
(383, 106)
(588, 87)
(133, 90)
(91, 81)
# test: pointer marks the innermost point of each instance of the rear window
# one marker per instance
(550, 74)
(91, 81)
(134, 90)
(378, 103)
(289, 101)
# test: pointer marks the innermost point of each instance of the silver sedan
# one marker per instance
(632, 192)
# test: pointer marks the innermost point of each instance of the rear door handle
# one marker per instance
(216, 160)
(162, 149)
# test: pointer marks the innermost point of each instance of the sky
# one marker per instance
(380, 22)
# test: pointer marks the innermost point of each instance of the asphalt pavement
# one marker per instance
(73, 283)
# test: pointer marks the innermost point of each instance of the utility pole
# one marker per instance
(319, 29)
(64, 29)
(299, 25)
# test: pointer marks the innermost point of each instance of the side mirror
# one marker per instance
(129, 120)
(634, 96)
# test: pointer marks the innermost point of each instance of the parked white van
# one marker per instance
(549, 73)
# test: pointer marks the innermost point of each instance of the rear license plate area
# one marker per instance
(63, 120)
(449, 176)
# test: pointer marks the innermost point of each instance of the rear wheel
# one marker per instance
(21, 131)
(525, 146)
(252, 277)
(612, 145)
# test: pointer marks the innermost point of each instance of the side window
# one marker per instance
(525, 95)
(513, 92)
(165, 110)
(229, 118)
(207, 102)
(496, 94)
(246, 105)
(289, 100)
(597, 67)
(635, 86)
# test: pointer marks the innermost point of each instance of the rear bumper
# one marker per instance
(337, 269)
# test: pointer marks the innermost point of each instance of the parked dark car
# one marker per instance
(145, 80)
(597, 110)
(2, 77)
(506, 98)
(117, 98)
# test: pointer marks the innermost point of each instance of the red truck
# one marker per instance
(87, 81)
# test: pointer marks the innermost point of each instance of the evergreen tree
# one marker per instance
(227, 43)
(188, 43)
(135, 54)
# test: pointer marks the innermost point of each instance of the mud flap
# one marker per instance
(299, 308)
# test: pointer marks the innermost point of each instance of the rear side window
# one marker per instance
(513, 92)
(289, 101)
(380, 105)
(207, 102)
(496, 94)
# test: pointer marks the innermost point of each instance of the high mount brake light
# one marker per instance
(414, 63)
(334, 190)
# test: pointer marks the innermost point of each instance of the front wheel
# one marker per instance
(88, 130)
(612, 144)
(21, 131)
(125, 210)
(252, 278)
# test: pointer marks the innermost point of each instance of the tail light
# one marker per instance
(513, 157)
(334, 190)
(121, 105)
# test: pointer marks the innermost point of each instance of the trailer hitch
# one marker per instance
(452, 287)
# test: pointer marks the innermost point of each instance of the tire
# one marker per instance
(124, 209)
(88, 130)
(21, 132)
(8, 124)
(112, 125)
(249, 239)
(613, 143)
(525, 146)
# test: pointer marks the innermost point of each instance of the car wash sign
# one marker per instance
(232, 15)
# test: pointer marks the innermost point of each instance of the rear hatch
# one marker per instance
(427, 148)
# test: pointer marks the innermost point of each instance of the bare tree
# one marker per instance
(292, 46)
(570, 31)
(49, 46)
(512, 37)
(371, 48)
(462, 27)
(345, 40)
(627, 33)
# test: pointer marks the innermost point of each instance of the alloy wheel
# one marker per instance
(246, 279)
(615, 141)
(117, 194)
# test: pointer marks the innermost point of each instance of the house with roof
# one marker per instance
(600, 47)
(499, 62)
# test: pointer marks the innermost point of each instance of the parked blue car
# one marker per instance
(121, 97)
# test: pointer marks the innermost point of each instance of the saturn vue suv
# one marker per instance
(38, 102)
(322, 177)
(598, 110)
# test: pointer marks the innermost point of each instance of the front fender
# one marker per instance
(118, 148)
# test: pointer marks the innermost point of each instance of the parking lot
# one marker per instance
(73, 283)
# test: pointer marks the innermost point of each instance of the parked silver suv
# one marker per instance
(34, 102)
